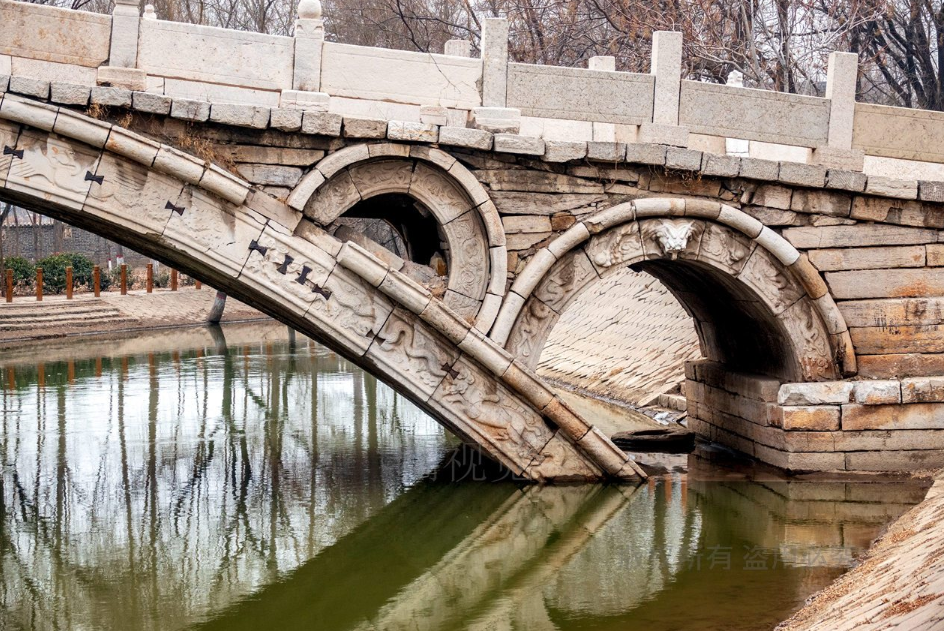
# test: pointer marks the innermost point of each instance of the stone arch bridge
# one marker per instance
(814, 287)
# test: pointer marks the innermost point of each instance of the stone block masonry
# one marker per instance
(792, 272)
(860, 426)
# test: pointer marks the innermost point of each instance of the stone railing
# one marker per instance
(566, 104)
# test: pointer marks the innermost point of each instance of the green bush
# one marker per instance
(54, 271)
(106, 279)
(24, 272)
(162, 280)
(114, 278)
(82, 268)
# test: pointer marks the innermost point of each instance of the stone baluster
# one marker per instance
(121, 70)
(494, 115)
(841, 81)
(667, 69)
(604, 132)
(737, 146)
(458, 48)
(306, 91)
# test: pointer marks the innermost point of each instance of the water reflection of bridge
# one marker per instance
(293, 477)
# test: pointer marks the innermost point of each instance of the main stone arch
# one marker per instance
(749, 292)
(197, 217)
(468, 220)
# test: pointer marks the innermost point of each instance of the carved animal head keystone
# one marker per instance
(673, 235)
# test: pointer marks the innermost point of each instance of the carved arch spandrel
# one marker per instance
(699, 242)
(459, 204)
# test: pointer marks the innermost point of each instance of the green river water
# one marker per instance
(231, 479)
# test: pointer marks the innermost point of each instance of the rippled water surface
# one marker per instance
(231, 479)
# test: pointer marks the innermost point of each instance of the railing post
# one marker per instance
(495, 62)
(69, 283)
(458, 48)
(149, 285)
(39, 284)
(606, 132)
(667, 69)
(124, 279)
(495, 115)
(9, 292)
(309, 44)
(173, 280)
(841, 80)
(97, 281)
(121, 70)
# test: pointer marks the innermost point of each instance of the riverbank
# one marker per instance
(56, 317)
(898, 585)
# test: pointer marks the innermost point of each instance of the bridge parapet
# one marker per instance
(214, 66)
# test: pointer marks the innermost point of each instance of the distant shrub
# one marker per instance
(114, 278)
(162, 280)
(24, 272)
(54, 271)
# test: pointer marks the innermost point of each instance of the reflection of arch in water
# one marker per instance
(759, 307)
(637, 554)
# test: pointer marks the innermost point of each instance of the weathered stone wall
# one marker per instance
(18, 241)
(868, 425)
(870, 246)
(531, 223)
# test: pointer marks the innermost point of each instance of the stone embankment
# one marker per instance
(899, 584)
(26, 319)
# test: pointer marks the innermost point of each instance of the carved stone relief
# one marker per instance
(560, 460)
(565, 279)
(764, 275)
(671, 238)
(212, 230)
(724, 248)
(466, 307)
(332, 199)
(617, 246)
(468, 256)
(438, 193)
(131, 195)
(383, 176)
(292, 269)
(494, 412)
(529, 334)
(52, 168)
(810, 341)
(351, 308)
(411, 350)
(9, 132)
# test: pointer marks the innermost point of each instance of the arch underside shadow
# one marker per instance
(750, 313)
(260, 253)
